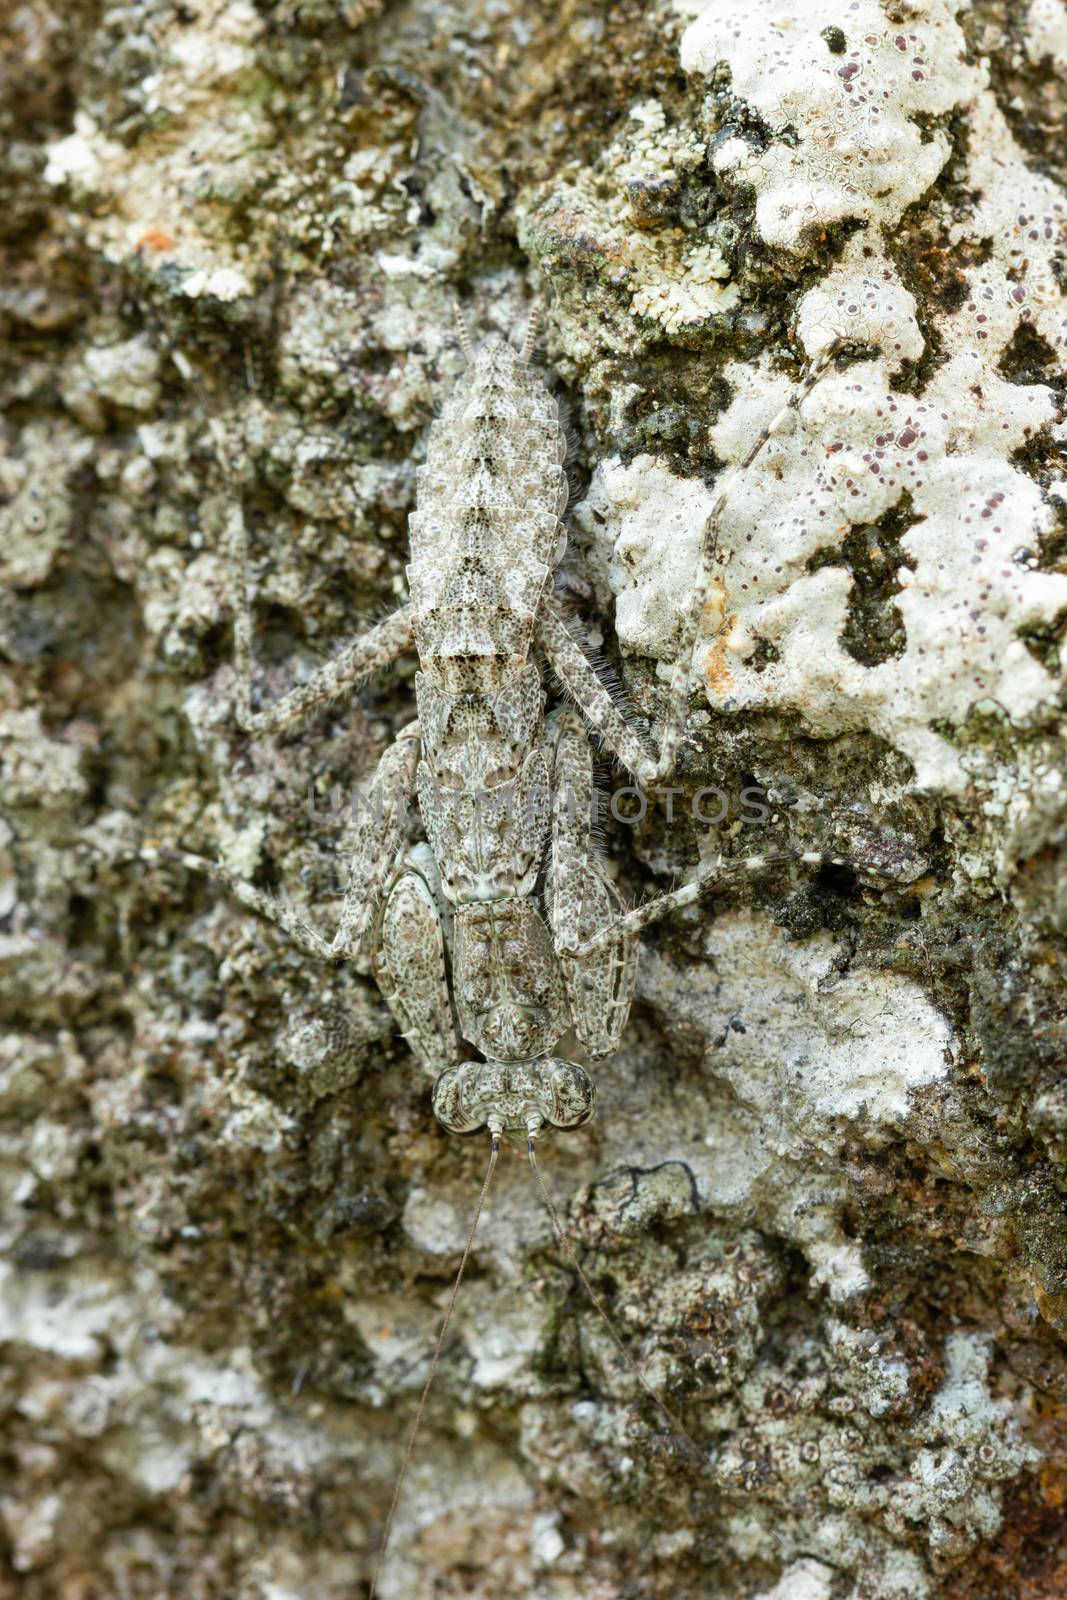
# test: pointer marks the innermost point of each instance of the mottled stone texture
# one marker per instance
(824, 1196)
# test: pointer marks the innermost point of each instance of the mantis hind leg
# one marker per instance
(581, 901)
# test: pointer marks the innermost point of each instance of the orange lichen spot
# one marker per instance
(716, 670)
(574, 226)
(157, 239)
(1053, 1307)
(713, 611)
(1053, 1481)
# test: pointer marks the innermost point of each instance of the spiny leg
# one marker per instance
(708, 876)
(581, 900)
(580, 678)
(374, 840)
(376, 648)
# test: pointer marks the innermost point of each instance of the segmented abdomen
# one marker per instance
(483, 546)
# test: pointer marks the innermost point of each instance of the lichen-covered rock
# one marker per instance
(823, 1198)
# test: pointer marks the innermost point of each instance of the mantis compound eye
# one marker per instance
(517, 1095)
(573, 1094)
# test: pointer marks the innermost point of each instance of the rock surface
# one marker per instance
(824, 1196)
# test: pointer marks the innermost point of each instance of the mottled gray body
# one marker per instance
(493, 782)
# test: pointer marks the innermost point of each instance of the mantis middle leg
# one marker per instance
(582, 902)
(374, 840)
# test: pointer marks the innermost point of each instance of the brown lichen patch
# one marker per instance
(1027, 1558)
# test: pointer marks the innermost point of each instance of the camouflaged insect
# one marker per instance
(501, 931)
(484, 541)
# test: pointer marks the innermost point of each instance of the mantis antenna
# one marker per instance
(431, 1375)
